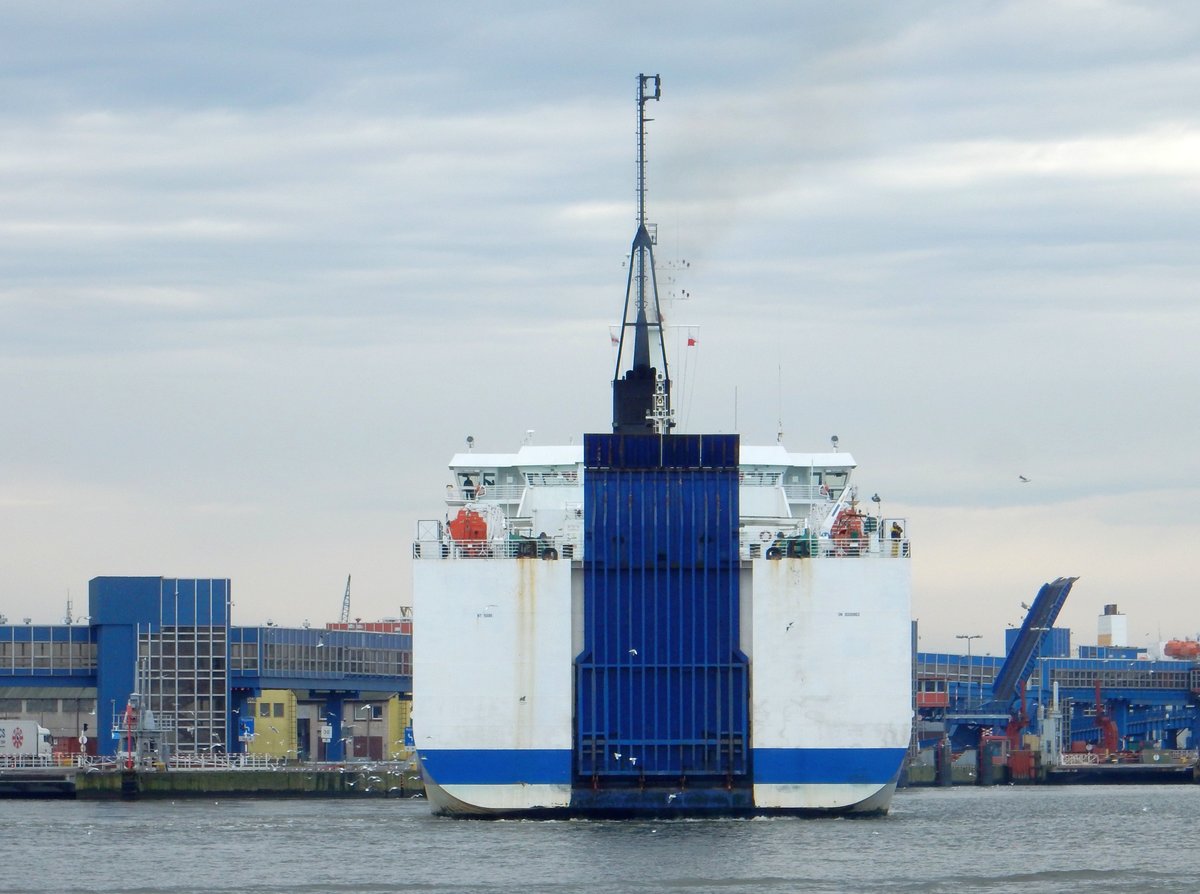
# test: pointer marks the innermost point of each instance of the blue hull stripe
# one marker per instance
(507, 766)
(782, 766)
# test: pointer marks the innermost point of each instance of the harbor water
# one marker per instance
(1018, 839)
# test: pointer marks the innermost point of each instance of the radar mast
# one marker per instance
(641, 382)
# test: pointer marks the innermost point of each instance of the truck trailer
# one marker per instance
(24, 741)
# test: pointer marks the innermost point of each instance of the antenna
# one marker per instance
(642, 396)
(779, 430)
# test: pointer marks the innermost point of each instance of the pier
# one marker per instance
(86, 780)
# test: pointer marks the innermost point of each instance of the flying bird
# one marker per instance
(1024, 480)
(633, 651)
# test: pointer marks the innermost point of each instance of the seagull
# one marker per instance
(789, 626)
(616, 755)
(522, 698)
(1024, 480)
(671, 797)
(633, 760)
(633, 651)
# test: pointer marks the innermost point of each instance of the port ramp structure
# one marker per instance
(1024, 652)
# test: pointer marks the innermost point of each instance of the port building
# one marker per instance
(333, 693)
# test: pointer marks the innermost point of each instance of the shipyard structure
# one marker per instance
(1048, 711)
(158, 673)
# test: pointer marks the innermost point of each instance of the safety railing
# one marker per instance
(28, 761)
(513, 548)
(1078, 759)
(223, 762)
(806, 493)
(489, 493)
(1171, 757)
(768, 545)
(751, 546)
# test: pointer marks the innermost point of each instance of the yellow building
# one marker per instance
(274, 724)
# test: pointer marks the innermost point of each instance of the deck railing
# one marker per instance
(750, 546)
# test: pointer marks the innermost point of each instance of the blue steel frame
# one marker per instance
(662, 688)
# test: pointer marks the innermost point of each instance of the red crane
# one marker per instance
(1105, 723)
(1018, 721)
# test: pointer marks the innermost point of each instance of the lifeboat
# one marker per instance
(848, 532)
(1185, 649)
(469, 529)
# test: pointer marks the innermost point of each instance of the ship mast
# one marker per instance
(642, 393)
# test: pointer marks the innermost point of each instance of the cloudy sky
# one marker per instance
(264, 266)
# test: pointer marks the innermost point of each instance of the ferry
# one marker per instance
(656, 623)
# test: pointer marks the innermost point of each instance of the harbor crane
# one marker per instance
(345, 619)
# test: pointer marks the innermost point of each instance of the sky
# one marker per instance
(265, 266)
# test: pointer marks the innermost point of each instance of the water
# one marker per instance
(1048, 839)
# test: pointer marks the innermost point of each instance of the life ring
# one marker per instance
(764, 536)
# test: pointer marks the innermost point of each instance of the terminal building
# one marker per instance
(333, 693)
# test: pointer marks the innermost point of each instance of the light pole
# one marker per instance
(970, 670)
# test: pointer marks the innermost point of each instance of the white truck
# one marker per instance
(24, 741)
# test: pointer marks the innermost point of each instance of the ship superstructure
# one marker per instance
(657, 622)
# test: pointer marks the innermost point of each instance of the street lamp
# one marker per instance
(970, 670)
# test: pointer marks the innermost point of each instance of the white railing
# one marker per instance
(759, 479)
(552, 479)
(523, 548)
(1172, 757)
(30, 761)
(806, 493)
(490, 493)
(224, 762)
(752, 545)
(769, 545)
